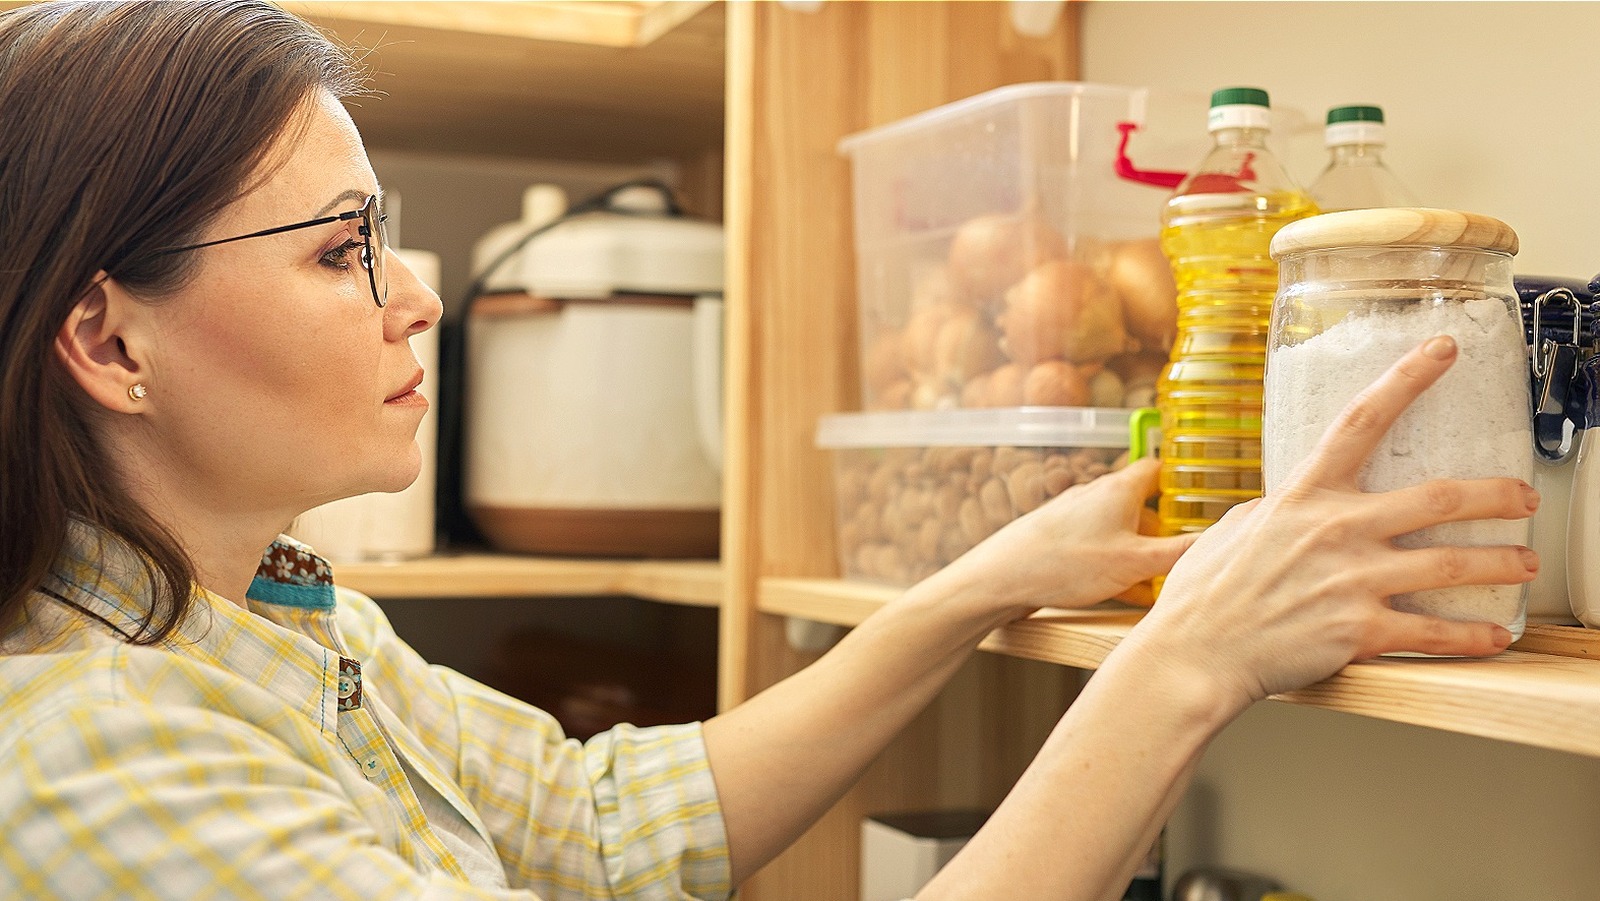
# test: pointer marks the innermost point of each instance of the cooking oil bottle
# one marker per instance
(1216, 231)
(1356, 177)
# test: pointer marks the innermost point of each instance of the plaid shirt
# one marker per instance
(258, 755)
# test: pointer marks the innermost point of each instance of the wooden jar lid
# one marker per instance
(1395, 228)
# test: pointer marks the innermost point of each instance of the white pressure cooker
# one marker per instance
(593, 380)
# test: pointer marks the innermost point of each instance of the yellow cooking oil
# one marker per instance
(1209, 394)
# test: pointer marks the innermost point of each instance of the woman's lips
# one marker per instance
(408, 394)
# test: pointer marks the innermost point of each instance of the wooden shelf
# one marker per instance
(1544, 692)
(613, 23)
(695, 583)
(627, 82)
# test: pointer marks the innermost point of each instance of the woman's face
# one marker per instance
(276, 383)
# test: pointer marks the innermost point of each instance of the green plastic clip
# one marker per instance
(1144, 433)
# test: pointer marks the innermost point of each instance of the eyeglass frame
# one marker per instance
(372, 261)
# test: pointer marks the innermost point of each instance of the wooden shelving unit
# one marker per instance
(1544, 692)
(695, 583)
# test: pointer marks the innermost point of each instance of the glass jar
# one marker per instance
(1356, 291)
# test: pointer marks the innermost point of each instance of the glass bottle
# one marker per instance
(1216, 231)
(1356, 177)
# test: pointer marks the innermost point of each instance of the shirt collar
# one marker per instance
(291, 619)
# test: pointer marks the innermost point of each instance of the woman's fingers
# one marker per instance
(1403, 632)
(1355, 433)
(1453, 500)
(1143, 476)
(1449, 567)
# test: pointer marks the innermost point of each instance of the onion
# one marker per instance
(1054, 383)
(1142, 278)
(1005, 386)
(885, 363)
(893, 397)
(1062, 310)
(965, 347)
(1105, 389)
(922, 336)
(991, 253)
(1139, 373)
(975, 393)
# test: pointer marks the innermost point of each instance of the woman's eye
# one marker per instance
(339, 257)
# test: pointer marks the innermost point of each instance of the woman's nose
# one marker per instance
(413, 306)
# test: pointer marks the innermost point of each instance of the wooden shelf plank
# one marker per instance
(491, 79)
(614, 23)
(1548, 697)
(696, 583)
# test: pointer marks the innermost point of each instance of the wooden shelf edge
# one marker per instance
(615, 23)
(695, 583)
(1565, 641)
(1544, 692)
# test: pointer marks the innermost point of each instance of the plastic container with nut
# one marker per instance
(1007, 252)
(915, 490)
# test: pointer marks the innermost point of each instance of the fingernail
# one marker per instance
(1441, 348)
(1530, 560)
(1502, 637)
(1531, 497)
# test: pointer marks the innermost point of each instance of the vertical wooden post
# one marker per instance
(797, 82)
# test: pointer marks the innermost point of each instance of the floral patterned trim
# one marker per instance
(292, 575)
(291, 565)
(349, 684)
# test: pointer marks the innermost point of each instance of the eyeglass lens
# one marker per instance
(375, 250)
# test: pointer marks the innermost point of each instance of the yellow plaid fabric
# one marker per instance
(259, 755)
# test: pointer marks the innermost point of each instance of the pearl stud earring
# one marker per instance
(137, 392)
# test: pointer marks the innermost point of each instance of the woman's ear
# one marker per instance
(91, 345)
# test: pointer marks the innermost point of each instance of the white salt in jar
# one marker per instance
(1356, 291)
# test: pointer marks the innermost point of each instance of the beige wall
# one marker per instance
(1495, 108)
(1492, 107)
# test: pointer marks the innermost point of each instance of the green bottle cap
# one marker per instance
(1240, 96)
(1355, 114)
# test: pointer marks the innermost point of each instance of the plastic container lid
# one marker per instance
(953, 113)
(1400, 227)
(1354, 125)
(1007, 427)
(1239, 108)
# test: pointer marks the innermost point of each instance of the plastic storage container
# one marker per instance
(1359, 290)
(1001, 260)
(915, 490)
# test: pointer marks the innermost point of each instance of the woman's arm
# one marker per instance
(1280, 594)
(781, 759)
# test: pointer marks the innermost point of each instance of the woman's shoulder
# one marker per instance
(154, 682)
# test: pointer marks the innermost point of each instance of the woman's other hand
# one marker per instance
(1081, 547)
(1286, 591)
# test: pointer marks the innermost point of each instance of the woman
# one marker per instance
(204, 336)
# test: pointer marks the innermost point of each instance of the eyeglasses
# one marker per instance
(366, 229)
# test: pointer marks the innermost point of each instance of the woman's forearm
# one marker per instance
(1080, 820)
(782, 758)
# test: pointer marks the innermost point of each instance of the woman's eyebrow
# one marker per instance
(348, 194)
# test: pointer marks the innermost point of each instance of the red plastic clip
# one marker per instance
(1126, 169)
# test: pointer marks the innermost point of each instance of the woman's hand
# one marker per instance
(1079, 548)
(1286, 591)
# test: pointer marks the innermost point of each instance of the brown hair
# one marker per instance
(128, 128)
